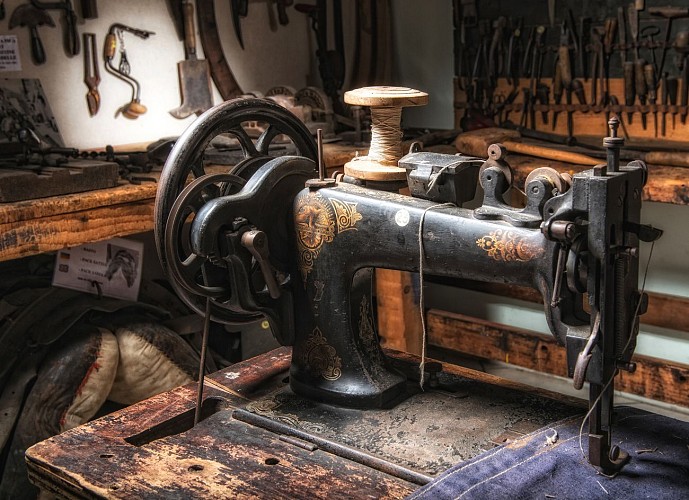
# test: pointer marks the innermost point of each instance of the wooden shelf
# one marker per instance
(49, 224)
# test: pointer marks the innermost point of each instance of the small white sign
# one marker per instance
(111, 268)
(9, 53)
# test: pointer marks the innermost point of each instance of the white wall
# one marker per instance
(423, 59)
(270, 58)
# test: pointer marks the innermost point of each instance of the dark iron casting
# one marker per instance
(575, 239)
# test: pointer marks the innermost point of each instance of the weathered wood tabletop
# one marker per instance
(151, 450)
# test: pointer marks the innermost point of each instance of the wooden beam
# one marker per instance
(399, 317)
(48, 234)
(655, 379)
(666, 311)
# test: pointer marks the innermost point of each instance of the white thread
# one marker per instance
(386, 135)
(631, 336)
(421, 294)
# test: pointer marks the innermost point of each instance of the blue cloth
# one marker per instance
(530, 468)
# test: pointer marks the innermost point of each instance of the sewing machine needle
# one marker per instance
(202, 362)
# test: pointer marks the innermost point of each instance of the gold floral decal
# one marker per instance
(317, 222)
(507, 246)
(321, 357)
(347, 216)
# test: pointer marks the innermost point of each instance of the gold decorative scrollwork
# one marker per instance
(317, 220)
(321, 357)
(347, 216)
(508, 246)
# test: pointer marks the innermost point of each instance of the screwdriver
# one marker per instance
(651, 84)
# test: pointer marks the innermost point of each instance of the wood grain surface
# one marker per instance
(656, 379)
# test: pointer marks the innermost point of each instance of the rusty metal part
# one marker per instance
(194, 74)
(333, 447)
(239, 8)
(91, 73)
(32, 17)
(71, 37)
(221, 73)
(89, 9)
(670, 14)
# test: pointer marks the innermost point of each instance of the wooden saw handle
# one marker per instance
(189, 35)
(667, 159)
(551, 154)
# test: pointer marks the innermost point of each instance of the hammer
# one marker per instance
(30, 16)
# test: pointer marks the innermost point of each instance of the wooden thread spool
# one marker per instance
(386, 105)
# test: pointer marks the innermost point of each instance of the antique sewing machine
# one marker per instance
(275, 238)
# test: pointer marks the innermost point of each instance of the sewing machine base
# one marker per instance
(258, 438)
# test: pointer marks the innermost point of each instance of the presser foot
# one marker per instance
(609, 459)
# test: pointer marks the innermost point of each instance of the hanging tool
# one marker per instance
(629, 92)
(670, 14)
(134, 108)
(681, 46)
(496, 51)
(514, 47)
(222, 75)
(633, 15)
(174, 8)
(331, 63)
(89, 9)
(543, 97)
(672, 88)
(3, 12)
(71, 37)
(240, 8)
(622, 34)
(584, 42)
(557, 93)
(551, 13)
(651, 85)
(597, 65)
(610, 30)
(91, 72)
(641, 88)
(536, 65)
(648, 32)
(665, 99)
(194, 74)
(31, 17)
(282, 5)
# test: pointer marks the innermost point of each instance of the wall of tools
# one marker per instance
(278, 50)
(557, 70)
(564, 66)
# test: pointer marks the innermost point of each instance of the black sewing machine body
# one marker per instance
(316, 247)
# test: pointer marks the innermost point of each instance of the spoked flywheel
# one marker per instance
(260, 130)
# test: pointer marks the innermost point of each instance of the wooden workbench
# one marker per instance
(50, 224)
(259, 440)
